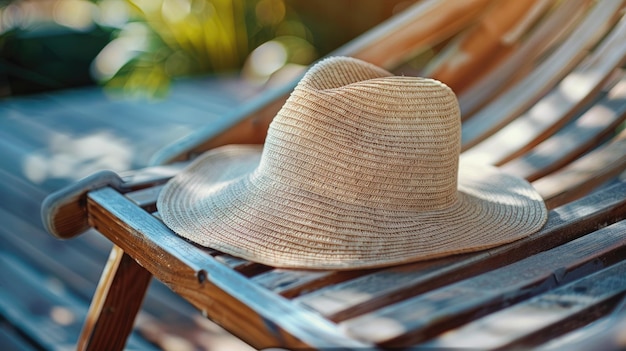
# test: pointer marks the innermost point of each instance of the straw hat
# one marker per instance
(360, 169)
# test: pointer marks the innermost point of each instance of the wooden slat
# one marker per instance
(64, 213)
(148, 176)
(549, 33)
(423, 316)
(497, 34)
(68, 266)
(571, 141)
(118, 298)
(354, 297)
(246, 297)
(146, 198)
(543, 317)
(529, 90)
(242, 266)
(586, 173)
(420, 27)
(288, 283)
(606, 334)
(556, 108)
(76, 266)
(291, 282)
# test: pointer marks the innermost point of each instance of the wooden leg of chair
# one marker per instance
(115, 304)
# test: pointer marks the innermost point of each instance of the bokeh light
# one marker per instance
(132, 41)
(74, 14)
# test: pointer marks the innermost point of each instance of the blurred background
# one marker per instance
(137, 47)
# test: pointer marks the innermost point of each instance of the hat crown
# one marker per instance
(354, 133)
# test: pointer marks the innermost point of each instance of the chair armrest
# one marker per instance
(64, 212)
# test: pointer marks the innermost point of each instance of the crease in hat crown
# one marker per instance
(352, 132)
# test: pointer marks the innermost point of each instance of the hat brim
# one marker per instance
(220, 202)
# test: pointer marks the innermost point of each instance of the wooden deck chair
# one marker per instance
(555, 281)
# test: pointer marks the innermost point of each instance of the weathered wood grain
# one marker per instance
(541, 318)
(607, 333)
(76, 265)
(573, 140)
(416, 29)
(586, 173)
(268, 307)
(292, 283)
(118, 298)
(63, 212)
(423, 316)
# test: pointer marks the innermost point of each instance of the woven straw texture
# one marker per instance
(360, 169)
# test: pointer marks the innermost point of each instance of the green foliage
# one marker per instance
(164, 39)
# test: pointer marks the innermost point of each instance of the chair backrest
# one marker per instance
(519, 98)
(530, 49)
(501, 31)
